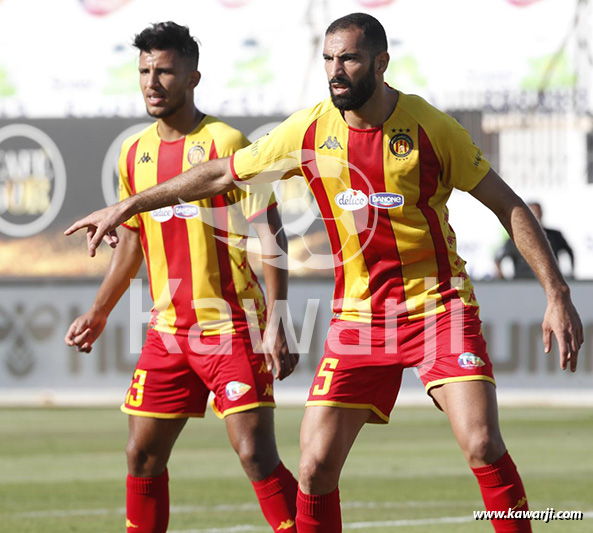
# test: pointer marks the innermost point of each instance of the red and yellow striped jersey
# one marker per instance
(382, 193)
(195, 252)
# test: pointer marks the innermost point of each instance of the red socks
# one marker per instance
(147, 504)
(277, 497)
(319, 513)
(502, 489)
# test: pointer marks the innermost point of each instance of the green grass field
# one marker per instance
(63, 470)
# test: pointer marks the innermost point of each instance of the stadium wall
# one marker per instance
(37, 368)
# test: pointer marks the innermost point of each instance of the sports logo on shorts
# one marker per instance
(469, 360)
(351, 200)
(186, 211)
(162, 214)
(196, 154)
(236, 389)
(401, 145)
(386, 200)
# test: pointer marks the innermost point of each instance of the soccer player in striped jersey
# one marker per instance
(198, 338)
(384, 164)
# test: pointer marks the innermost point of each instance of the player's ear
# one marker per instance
(381, 62)
(194, 78)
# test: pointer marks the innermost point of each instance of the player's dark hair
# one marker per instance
(373, 32)
(169, 36)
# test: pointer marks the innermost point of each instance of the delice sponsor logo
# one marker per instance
(386, 200)
(163, 214)
(351, 200)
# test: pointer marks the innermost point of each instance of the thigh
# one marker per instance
(164, 385)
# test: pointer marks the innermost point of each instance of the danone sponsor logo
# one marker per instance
(386, 200)
(469, 360)
(186, 211)
(351, 200)
(163, 214)
(236, 389)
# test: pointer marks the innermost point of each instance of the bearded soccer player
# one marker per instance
(198, 339)
(385, 163)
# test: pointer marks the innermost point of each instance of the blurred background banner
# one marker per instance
(515, 73)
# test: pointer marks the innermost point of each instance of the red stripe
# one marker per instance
(221, 236)
(175, 238)
(131, 165)
(430, 171)
(311, 173)
(365, 153)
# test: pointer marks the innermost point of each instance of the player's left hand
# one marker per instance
(562, 319)
(279, 359)
(100, 226)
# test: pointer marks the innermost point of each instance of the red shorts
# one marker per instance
(362, 365)
(175, 375)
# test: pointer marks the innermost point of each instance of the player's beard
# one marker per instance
(167, 111)
(357, 95)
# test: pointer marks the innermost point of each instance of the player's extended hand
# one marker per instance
(85, 329)
(100, 225)
(279, 358)
(563, 320)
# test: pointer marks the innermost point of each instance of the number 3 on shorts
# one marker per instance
(138, 384)
(327, 373)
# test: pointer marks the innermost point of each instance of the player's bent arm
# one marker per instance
(202, 181)
(561, 317)
(274, 247)
(124, 265)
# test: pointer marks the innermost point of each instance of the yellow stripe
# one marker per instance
(240, 409)
(149, 414)
(369, 406)
(458, 379)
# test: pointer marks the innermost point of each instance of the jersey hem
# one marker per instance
(164, 416)
(431, 384)
(240, 409)
(261, 212)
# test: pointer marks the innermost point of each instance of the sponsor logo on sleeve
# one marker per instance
(469, 361)
(386, 200)
(236, 389)
(351, 200)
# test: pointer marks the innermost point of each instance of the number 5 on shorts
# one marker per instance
(327, 373)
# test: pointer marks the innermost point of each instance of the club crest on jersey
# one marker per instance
(236, 389)
(163, 214)
(386, 200)
(401, 145)
(469, 360)
(186, 211)
(351, 200)
(195, 155)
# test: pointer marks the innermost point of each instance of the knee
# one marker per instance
(483, 448)
(258, 459)
(141, 462)
(318, 476)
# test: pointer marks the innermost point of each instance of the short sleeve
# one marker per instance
(276, 155)
(125, 190)
(463, 163)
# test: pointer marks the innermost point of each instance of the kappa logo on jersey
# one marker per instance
(386, 200)
(236, 389)
(145, 158)
(196, 155)
(351, 200)
(469, 360)
(162, 215)
(186, 211)
(287, 524)
(401, 145)
(269, 390)
(332, 143)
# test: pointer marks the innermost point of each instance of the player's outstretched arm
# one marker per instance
(202, 181)
(124, 265)
(561, 317)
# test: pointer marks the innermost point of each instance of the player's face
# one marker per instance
(164, 81)
(350, 69)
